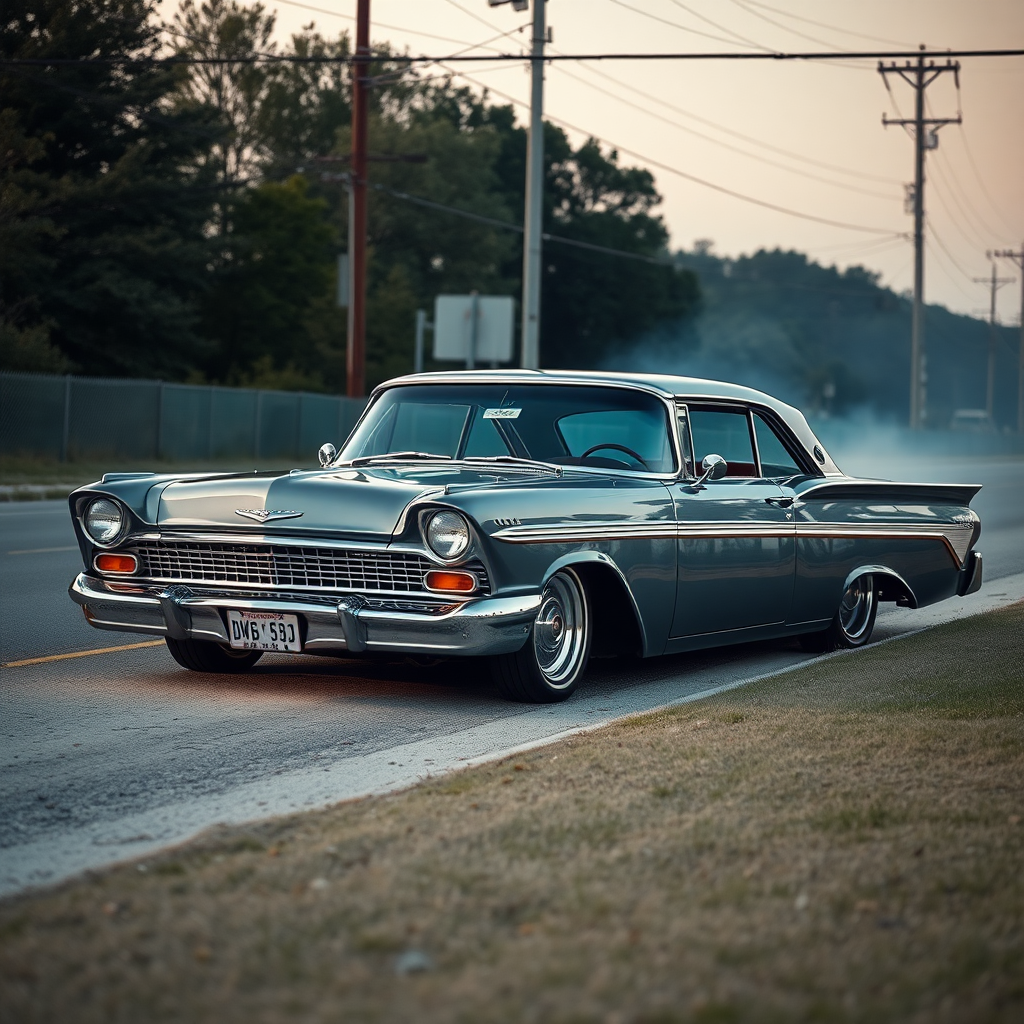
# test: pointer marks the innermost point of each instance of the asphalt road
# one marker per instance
(111, 755)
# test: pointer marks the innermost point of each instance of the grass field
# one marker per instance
(840, 843)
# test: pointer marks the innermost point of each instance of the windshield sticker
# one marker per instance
(502, 414)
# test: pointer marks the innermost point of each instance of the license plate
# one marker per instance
(264, 631)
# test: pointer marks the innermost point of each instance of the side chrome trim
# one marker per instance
(956, 537)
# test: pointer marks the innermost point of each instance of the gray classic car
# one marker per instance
(532, 518)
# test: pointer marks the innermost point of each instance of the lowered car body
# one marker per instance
(530, 518)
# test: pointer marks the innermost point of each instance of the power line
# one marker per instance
(785, 28)
(735, 134)
(980, 179)
(821, 24)
(381, 24)
(399, 58)
(721, 28)
(505, 225)
(675, 24)
(692, 177)
(726, 145)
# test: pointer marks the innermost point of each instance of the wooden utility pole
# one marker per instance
(355, 363)
(995, 283)
(1018, 258)
(925, 134)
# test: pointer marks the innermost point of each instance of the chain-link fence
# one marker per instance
(79, 418)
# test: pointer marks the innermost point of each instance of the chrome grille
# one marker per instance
(288, 566)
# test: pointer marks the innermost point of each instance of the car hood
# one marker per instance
(362, 501)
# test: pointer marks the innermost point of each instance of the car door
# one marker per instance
(736, 538)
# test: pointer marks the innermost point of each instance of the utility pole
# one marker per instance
(994, 283)
(533, 218)
(355, 362)
(924, 131)
(1018, 259)
(534, 198)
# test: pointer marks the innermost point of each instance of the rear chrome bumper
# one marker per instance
(971, 576)
(487, 625)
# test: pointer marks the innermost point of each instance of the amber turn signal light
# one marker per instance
(457, 582)
(108, 562)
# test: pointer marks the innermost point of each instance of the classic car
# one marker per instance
(530, 518)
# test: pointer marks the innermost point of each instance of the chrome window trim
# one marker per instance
(667, 400)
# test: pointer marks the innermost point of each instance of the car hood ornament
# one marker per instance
(262, 515)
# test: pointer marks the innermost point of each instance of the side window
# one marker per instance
(775, 459)
(724, 432)
(643, 431)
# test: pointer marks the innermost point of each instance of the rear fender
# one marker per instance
(890, 585)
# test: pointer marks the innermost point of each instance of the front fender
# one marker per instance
(576, 559)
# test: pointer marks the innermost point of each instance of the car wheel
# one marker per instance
(549, 666)
(853, 622)
(204, 656)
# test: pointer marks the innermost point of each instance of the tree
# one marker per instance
(231, 36)
(280, 263)
(100, 194)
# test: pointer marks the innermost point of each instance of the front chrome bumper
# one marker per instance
(488, 625)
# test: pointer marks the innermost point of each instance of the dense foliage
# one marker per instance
(181, 222)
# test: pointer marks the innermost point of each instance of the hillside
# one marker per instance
(827, 340)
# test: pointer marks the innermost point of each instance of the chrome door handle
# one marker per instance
(780, 502)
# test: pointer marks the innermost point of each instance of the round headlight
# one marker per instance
(103, 520)
(447, 534)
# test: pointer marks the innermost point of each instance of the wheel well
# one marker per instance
(889, 587)
(616, 629)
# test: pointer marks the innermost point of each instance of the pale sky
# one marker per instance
(764, 128)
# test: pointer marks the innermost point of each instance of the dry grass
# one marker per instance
(840, 843)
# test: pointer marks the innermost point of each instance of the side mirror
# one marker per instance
(327, 454)
(714, 466)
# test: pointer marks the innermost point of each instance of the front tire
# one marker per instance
(853, 622)
(205, 656)
(551, 663)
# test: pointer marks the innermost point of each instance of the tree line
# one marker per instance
(180, 221)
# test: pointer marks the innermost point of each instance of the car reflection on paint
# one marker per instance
(531, 519)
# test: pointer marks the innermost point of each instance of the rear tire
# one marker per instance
(205, 656)
(551, 663)
(853, 622)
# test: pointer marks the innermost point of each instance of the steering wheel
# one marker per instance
(618, 447)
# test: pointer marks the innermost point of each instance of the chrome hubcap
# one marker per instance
(856, 607)
(559, 631)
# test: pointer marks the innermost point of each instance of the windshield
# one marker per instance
(599, 427)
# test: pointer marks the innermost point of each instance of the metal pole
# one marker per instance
(533, 224)
(356, 354)
(421, 323)
(160, 420)
(1020, 351)
(66, 432)
(990, 384)
(917, 395)
(209, 425)
(474, 322)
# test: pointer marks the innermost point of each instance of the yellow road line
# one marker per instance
(81, 654)
(43, 551)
